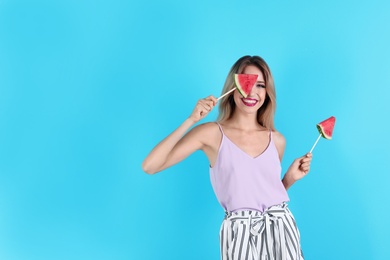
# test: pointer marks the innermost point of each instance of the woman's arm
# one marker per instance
(298, 169)
(176, 147)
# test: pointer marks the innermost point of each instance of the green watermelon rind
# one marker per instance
(321, 130)
(240, 90)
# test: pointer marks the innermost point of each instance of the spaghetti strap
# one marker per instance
(220, 128)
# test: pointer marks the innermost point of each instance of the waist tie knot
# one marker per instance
(273, 225)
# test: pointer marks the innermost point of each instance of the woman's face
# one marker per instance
(256, 97)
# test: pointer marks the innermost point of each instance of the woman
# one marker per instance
(245, 152)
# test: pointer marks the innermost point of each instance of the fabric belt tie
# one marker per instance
(261, 224)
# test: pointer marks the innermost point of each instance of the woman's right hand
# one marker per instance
(202, 108)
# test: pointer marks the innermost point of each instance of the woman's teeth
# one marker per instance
(249, 102)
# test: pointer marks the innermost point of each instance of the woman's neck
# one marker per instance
(244, 121)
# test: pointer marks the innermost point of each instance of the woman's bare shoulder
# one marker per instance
(209, 129)
(278, 137)
(209, 133)
(280, 143)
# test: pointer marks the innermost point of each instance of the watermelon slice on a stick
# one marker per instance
(244, 84)
(326, 130)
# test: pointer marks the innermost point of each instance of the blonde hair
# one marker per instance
(265, 114)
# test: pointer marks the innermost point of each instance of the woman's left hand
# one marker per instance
(300, 167)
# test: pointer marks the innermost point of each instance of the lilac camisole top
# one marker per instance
(242, 182)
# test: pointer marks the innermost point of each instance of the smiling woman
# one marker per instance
(88, 88)
(244, 152)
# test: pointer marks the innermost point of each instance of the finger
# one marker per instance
(202, 103)
(305, 168)
(206, 106)
(306, 160)
(214, 99)
(211, 100)
(199, 110)
(210, 103)
(306, 156)
(305, 171)
(204, 111)
(299, 159)
(307, 164)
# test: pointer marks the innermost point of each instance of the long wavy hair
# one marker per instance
(265, 114)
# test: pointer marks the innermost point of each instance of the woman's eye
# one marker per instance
(260, 86)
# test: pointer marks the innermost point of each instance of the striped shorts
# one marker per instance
(252, 235)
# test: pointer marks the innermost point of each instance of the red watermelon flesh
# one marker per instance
(245, 82)
(326, 127)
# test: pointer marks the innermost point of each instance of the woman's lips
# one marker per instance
(250, 102)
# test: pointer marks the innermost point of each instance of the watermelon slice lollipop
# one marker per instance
(326, 130)
(326, 127)
(244, 84)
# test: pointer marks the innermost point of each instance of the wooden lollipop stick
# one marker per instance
(230, 91)
(315, 143)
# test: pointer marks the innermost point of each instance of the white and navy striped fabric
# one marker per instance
(252, 235)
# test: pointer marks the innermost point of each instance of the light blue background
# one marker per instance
(87, 88)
